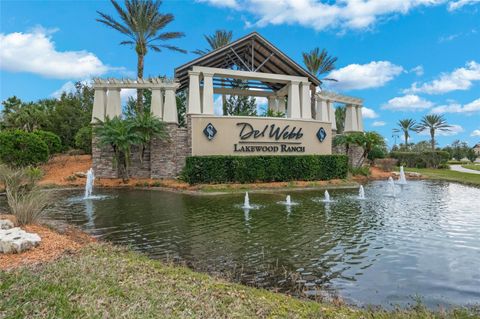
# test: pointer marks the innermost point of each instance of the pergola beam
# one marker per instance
(246, 75)
(242, 92)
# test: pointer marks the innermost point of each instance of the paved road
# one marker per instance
(459, 168)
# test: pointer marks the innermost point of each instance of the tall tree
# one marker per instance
(432, 123)
(241, 104)
(405, 126)
(141, 23)
(340, 113)
(217, 40)
(318, 62)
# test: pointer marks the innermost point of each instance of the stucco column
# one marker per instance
(331, 115)
(157, 103)
(317, 108)
(99, 104)
(324, 111)
(170, 112)
(306, 101)
(207, 93)
(351, 119)
(194, 93)
(114, 103)
(293, 109)
(359, 118)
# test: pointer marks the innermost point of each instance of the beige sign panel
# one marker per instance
(239, 135)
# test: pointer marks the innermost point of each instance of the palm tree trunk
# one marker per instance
(432, 134)
(312, 102)
(406, 140)
(140, 76)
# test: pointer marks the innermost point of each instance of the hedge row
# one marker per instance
(248, 169)
(20, 148)
(426, 159)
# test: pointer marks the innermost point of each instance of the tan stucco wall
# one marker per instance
(227, 138)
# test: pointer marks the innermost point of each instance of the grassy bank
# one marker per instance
(448, 175)
(103, 281)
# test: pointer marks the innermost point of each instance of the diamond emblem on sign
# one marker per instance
(321, 134)
(210, 131)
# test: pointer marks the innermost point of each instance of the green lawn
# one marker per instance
(472, 166)
(107, 282)
(449, 175)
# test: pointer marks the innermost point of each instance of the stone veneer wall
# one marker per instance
(161, 159)
(168, 157)
(355, 153)
(102, 160)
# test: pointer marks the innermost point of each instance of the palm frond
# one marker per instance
(171, 47)
(318, 62)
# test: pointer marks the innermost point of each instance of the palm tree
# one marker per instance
(317, 63)
(368, 142)
(405, 126)
(217, 40)
(432, 122)
(141, 23)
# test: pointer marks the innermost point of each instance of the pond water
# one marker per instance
(381, 250)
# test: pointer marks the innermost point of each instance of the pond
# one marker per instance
(380, 251)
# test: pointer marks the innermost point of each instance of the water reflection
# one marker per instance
(381, 250)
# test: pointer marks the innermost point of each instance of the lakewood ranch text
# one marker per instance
(281, 148)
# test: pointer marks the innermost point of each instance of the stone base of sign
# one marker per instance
(160, 159)
(163, 158)
(354, 153)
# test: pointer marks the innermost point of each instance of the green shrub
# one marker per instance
(19, 148)
(83, 139)
(443, 166)
(52, 140)
(386, 164)
(248, 169)
(362, 170)
(426, 159)
(376, 152)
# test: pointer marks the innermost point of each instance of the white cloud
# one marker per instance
(68, 87)
(455, 5)
(35, 52)
(368, 113)
(475, 133)
(408, 102)
(454, 130)
(448, 38)
(221, 3)
(126, 94)
(471, 107)
(320, 15)
(418, 70)
(379, 123)
(364, 76)
(458, 79)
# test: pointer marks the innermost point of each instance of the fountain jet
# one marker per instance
(327, 196)
(391, 186)
(246, 202)
(288, 201)
(361, 192)
(89, 184)
(402, 180)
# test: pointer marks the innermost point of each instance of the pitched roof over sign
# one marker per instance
(250, 53)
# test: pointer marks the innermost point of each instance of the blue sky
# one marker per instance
(405, 58)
